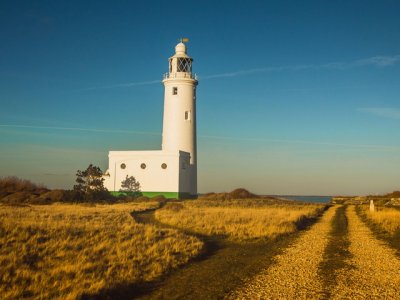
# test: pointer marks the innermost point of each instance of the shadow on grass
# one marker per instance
(222, 266)
(305, 222)
(393, 240)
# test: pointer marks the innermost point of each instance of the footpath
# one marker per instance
(315, 267)
(375, 269)
(295, 273)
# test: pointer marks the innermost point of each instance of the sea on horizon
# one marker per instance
(311, 199)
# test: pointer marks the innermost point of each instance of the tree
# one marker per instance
(129, 184)
(90, 183)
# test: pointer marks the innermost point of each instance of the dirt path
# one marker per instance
(222, 267)
(336, 252)
(338, 258)
(375, 269)
(295, 275)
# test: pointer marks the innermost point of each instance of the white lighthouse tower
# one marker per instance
(179, 123)
(172, 171)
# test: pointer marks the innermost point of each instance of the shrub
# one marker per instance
(241, 194)
(12, 184)
(17, 197)
(54, 195)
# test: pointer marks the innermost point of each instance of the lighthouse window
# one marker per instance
(174, 90)
(164, 166)
(184, 64)
(143, 166)
(187, 115)
(123, 166)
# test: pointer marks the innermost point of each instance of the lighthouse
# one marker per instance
(179, 122)
(171, 171)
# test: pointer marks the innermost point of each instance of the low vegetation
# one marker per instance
(391, 199)
(238, 219)
(69, 251)
(16, 191)
(387, 219)
(235, 194)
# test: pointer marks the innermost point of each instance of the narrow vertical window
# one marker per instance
(174, 90)
(187, 115)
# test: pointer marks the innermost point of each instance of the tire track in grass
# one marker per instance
(295, 274)
(337, 251)
(375, 272)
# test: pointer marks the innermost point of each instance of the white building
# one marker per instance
(171, 171)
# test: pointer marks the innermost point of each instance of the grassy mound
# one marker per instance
(235, 194)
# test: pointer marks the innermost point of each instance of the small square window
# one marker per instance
(174, 90)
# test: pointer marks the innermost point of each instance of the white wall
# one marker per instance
(153, 178)
(178, 133)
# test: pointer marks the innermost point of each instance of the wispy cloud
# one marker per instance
(121, 85)
(379, 61)
(379, 111)
(305, 142)
(385, 112)
(376, 61)
(258, 70)
(102, 130)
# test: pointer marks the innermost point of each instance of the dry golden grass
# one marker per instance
(386, 218)
(64, 251)
(239, 222)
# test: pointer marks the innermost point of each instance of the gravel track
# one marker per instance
(375, 269)
(295, 273)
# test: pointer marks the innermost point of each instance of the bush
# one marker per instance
(74, 196)
(17, 197)
(395, 194)
(242, 194)
(14, 190)
(12, 184)
(54, 195)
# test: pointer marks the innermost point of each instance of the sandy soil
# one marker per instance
(295, 273)
(370, 271)
(375, 269)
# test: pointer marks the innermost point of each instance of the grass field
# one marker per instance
(239, 220)
(386, 218)
(66, 251)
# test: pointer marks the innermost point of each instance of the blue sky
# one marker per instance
(293, 97)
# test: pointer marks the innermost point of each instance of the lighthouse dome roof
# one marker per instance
(180, 48)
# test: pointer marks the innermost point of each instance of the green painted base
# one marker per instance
(134, 194)
(168, 195)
